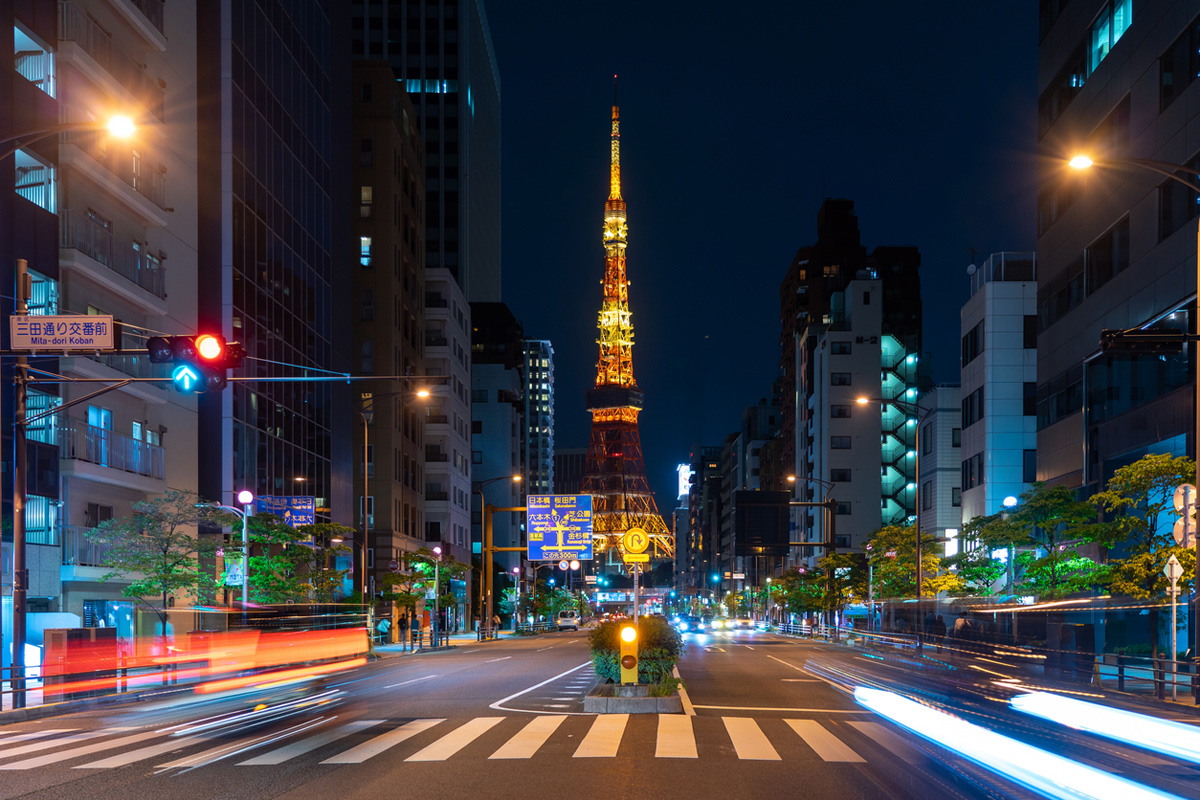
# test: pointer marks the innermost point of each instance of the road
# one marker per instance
(766, 718)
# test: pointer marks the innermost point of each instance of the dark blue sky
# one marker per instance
(736, 122)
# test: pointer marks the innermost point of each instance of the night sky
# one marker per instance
(736, 122)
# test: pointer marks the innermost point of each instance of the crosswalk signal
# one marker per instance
(629, 655)
(201, 362)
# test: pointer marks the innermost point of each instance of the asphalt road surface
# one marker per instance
(765, 716)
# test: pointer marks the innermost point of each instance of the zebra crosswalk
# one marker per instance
(333, 740)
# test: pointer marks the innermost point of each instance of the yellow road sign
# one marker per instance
(631, 558)
(635, 540)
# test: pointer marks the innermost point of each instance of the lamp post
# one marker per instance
(437, 595)
(486, 578)
(246, 498)
(517, 599)
(118, 125)
(1169, 170)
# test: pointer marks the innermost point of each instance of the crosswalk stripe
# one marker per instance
(676, 738)
(749, 740)
(76, 752)
(530, 738)
(23, 737)
(47, 744)
(141, 754)
(603, 738)
(889, 740)
(238, 746)
(282, 754)
(823, 743)
(384, 741)
(455, 740)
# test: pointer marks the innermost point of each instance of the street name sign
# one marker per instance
(294, 510)
(75, 332)
(560, 526)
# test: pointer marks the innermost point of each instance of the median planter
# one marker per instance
(612, 698)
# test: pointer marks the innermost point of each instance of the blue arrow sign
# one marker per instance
(185, 378)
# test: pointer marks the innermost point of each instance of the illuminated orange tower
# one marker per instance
(615, 473)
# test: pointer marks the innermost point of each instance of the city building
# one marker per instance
(569, 465)
(702, 577)
(999, 383)
(940, 464)
(390, 331)
(852, 329)
(539, 417)
(274, 112)
(1116, 245)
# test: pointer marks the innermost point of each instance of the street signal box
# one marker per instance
(629, 655)
(202, 363)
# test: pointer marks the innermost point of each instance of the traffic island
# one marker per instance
(612, 698)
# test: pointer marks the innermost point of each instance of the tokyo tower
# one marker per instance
(615, 473)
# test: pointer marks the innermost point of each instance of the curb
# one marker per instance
(71, 706)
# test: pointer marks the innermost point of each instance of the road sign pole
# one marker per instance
(20, 589)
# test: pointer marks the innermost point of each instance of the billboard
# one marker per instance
(560, 526)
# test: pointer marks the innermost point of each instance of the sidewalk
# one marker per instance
(452, 640)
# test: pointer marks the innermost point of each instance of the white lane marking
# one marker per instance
(557, 705)
(499, 704)
(76, 752)
(382, 742)
(530, 738)
(688, 708)
(490, 660)
(748, 647)
(823, 743)
(801, 680)
(890, 740)
(808, 672)
(749, 740)
(21, 737)
(239, 746)
(604, 737)
(46, 744)
(405, 683)
(141, 754)
(456, 739)
(544, 649)
(282, 754)
(676, 738)
(780, 708)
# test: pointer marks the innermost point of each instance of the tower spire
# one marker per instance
(614, 192)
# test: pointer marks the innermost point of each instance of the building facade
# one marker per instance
(939, 465)
(539, 416)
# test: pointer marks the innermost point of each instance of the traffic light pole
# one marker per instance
(20, 590)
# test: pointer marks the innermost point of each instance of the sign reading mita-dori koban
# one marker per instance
(82, 332)
(560, 526)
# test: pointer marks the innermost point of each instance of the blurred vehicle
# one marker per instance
(568, 619)
(690, 624)
(742, 623)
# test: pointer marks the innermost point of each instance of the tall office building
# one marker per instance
(539, 416)
(1116, 246)
(442, 51)
(274, 112)
(569, 466)
(390, 328)
(940, 465)
(999, 383)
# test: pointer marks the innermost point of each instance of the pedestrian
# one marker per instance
(939, 631)
(496, 624)
(416, 632)
(402, 627)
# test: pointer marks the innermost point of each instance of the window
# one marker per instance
(956, 497)
(33, 59)
(1107, 256)
(366, 200)
(1031, 331)
(839, 379)
(1177, 204)
(367, 356)
(1029, 466)
(366, 306)
(477, 426)
(366, 153)
(364, 252)
(839, 348)
(926, 495)
(866, 297)
(99, 436)
(1179, 66)
(1108, 28)
(972, 472)
(1060, 397)
(35, 180)
(1062, 90)
(956, 437)
(839, 442)
(972, 408)
(972, 343)
(1029, 405)
(839, 412)
(840, 475)
(95, 513)
(842, 510)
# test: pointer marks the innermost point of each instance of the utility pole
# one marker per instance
(20, 570)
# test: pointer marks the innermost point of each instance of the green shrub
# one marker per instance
(659, 648)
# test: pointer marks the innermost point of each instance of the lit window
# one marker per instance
(35, 179)
(33, 59)
(1109, 27)
(364, 251)
(367, 197)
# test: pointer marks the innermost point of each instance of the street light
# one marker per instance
(1169, 170)
(246, 498)
(117, 125)
(437, 595)
(517, 599)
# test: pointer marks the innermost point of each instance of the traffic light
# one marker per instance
(629, 655)
(1167, 341)
(201, 362)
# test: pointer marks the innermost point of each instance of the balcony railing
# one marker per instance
(153, 11)
(79, 550)
(435, 455)
(141, 177)
(78, 441)
(75, 25)
(436, 496)
(127, 259)
(433, 340)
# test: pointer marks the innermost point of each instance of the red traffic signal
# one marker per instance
(201, 361)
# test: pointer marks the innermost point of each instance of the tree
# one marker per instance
(892, 552)
(158, 551)
(1136, 498)
(411, 583)
(977, 568)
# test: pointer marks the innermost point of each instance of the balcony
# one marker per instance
(435, 340)
(79, 550)
(432, 454)
(437, 419)
(434, 497)
(117, 169)
(129, 260)
(76, 26)
(108, 457)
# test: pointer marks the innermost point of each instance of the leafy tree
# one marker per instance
(408, 586)
(1138, 501)
(892, 552)
(158, 551)
(976, 567)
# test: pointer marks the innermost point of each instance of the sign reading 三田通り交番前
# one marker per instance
(78, 332)
(560, 526)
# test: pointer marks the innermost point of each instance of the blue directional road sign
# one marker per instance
(560, 526)
(294, 510)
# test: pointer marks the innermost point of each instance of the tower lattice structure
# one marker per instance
(615, 473)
